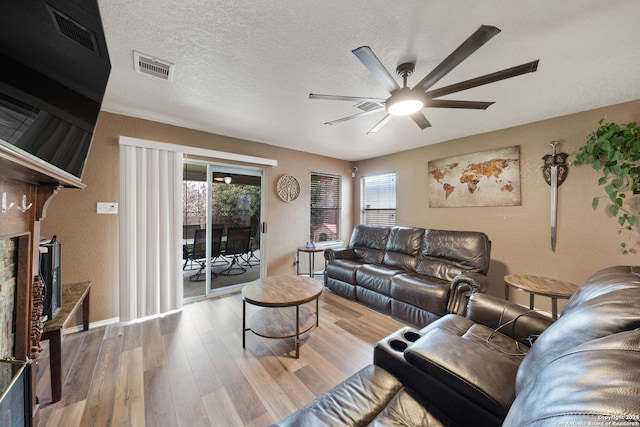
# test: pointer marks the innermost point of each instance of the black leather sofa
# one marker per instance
(502, 364)
(415, 274)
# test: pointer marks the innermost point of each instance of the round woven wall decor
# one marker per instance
(288, 188)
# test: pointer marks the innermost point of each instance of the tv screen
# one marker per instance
(40, 133)
(54, 67)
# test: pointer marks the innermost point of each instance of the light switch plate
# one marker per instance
(107, 208)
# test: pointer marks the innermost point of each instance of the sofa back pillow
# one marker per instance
(446, 254)
(604, 281)
(595, 383)
(369, 241)
(403, 247)
(598, 317)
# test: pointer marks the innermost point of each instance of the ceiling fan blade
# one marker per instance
(347, 98)
(507, 73)
(473, 43)
(446, 103)
(420, 120)
(354, 116)
(380, 124)
(375, 67)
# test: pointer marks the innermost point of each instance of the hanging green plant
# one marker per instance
(614, 151)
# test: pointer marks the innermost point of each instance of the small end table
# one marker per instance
(312, 256)
(544, 286)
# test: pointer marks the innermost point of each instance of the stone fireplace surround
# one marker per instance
(16, 381)
(8, 261)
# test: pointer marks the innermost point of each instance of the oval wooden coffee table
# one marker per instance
(279, 295)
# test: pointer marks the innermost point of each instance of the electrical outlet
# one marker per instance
(107, 208)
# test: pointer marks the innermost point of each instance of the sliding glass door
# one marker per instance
(222, 228)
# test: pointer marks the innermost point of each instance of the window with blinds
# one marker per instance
(379, 199)
(325, 207)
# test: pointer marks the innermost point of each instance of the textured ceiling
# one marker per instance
(245, 68)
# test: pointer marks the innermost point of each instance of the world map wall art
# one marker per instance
(487, 178)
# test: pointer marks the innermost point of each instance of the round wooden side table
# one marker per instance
(543, 286)
(312, 256)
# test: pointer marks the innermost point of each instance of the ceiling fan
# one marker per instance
(405, 101)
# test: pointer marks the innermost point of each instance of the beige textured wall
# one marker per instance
(90, 241)
(587, 239)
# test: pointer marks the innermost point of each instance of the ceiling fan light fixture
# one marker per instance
(404, 102)
(227, 179)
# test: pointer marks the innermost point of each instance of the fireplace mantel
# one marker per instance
(27, 186)
(24, 168)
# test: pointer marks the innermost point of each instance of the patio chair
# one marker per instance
(217, 247)
(187, 244)
(186, 255)
(254, 245)
(236, 247)
(199, 251)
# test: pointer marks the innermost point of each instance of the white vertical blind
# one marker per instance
(379, 199)
(150, 231)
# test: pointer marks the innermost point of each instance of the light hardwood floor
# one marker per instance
(189, 368)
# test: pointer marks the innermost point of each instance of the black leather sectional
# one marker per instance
(415, 274)
(503, 364)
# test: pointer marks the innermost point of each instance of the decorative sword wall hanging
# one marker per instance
(555, 171)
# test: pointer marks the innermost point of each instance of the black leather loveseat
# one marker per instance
(481, 369)
(415, 274)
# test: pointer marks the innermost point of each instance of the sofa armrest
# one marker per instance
(339, 253)
(510, 319)
(462, 286)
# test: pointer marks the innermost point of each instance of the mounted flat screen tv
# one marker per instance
(54, 68)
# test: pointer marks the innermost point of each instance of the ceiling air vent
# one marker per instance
(146, 64)
(368, 106)
(74, 31)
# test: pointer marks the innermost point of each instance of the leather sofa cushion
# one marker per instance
(406, 409)
(353, 402)
(412, 314)
(603, 315)
(438, 268)
(376, 277)
(370, 397)
(369, 242)
(595, 383)
(429, 293)
(373, 299)
(446, 254)
(456, 351)
(346, 290)
(343, 270)
(403, 247)
(605, 281)
(369, 255)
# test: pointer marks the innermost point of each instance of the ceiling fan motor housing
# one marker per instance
(405, 101)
